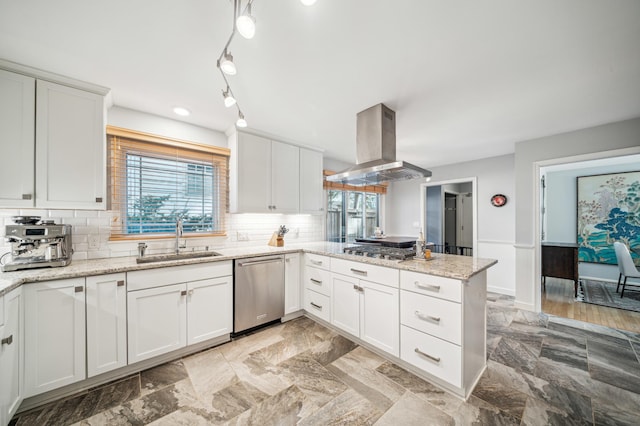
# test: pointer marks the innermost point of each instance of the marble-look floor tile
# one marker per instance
(565, 376)
(478, 412)
(161, 376)
(263, 376)
(410, 410)
(571, 352)
(327, 351)
(499, 317)
(234, 400)
(313, 379)
(571, 402)
(240, 348)
(614, 365)
(209, 372)
(516, 354)
(421, 388)
(348, 408)
(287, 407)
(538, 319)
(614, 413)
(284, 349)
(586, 330)
(507, 400)
(540, 413)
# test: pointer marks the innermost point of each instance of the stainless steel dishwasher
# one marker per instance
(258, 291)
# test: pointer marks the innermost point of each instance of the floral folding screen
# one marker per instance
(608, 211)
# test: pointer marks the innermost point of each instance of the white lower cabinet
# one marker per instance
(170, 308)
(54, 334)
(292, 283)
(106, 323)
(157, 321)
(367, 310)
(11, 351)
(209, 308)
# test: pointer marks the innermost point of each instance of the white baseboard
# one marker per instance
(525, 306)
(501, 290)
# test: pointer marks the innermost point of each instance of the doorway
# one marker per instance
(449, 215)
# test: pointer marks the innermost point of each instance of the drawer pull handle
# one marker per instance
(432, 358)
(7, 340)
(427, 317)
(316, 306)
(359, 271)
(183, 293)
(26, 196)
(78, 289)
(427, 286)
(316, 262)
(120, 283)
(313, 280)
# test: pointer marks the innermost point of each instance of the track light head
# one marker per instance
(229, 100)
(226, 64)
(246, 24)
(241, 121)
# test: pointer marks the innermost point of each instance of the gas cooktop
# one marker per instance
(379, 252)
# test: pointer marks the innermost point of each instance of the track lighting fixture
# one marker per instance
(229, 100)
(241, 121)
(245, 24)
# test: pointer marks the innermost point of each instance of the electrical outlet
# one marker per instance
(94, 242)
(243, 236)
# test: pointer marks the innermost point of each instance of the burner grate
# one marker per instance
(392, 253)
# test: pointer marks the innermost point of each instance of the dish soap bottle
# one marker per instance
(420, 244)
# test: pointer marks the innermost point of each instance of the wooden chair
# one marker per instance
(625, 265)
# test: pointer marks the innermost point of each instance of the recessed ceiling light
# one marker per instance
(307, 2)
(181, 111)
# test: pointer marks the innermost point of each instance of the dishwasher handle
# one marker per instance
(259, 262)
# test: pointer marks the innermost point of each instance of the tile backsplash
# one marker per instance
(91, 230)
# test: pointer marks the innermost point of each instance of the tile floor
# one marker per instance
(541, 371)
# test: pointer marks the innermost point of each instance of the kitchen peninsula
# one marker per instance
(427, 316)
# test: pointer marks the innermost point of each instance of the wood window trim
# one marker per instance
(162, 145)
(375, 189)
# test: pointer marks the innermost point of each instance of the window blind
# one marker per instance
(154, 180)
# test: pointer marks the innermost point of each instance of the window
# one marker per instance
(351, 215)
(155, 180)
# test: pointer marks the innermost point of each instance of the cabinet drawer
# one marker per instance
(365, 271)
(317, 304)
(440, 318)
(317, 280)
(317, 261)
(435, 356)
(431, 285)
(139, 280)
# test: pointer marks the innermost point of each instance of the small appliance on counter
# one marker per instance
(37, 244)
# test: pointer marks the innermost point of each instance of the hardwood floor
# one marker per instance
(558, 300)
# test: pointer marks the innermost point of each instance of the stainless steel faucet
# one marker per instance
(179, 231)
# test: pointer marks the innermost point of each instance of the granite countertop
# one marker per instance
(444, 265)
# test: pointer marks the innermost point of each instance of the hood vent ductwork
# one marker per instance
(376, 152)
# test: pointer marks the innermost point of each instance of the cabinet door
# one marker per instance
(253, 169)
(292, 283)
(285, 178)
(54, 334)
(157, 320)
(311, 192)
(70, 143)
(106, 323)
(209, 309)
(345, 302)
(17, 139)
(379, 316)
(11, 350)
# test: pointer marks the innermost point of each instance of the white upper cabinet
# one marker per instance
(70, 148)
(52, 138)
(311, 199)
(17, 117)
(269, 176)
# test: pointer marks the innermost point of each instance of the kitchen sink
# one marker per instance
(176, 256)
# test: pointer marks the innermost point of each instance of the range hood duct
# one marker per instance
(376, 152)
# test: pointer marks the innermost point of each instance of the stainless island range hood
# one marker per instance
(376, 151)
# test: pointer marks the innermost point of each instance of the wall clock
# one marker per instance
(499, 200)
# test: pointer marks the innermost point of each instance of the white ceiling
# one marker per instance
(467, 78)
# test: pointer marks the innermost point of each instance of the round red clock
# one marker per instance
(499, 200)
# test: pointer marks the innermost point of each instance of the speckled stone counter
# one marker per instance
(444, 265)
